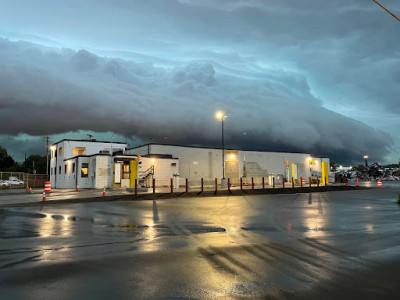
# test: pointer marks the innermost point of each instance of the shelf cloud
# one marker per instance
(301, 76)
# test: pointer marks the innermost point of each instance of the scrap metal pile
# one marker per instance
(374, 171)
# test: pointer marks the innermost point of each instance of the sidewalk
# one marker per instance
(21, 196)
(85, 196)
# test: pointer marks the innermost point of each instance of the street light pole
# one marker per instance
(223, 150)
(366, 160)
(221, 116)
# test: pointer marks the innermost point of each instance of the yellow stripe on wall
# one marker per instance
(133, 175)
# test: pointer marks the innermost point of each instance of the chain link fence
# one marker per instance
(19, 180)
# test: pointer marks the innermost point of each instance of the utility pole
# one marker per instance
(47, 140)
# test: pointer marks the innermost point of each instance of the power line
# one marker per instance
(388, 11)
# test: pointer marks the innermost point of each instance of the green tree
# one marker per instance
(36, 163)
(333, 166)
(6, 161)
(359, 168)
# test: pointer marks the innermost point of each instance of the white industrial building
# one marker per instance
(203, 162)
(99, 164)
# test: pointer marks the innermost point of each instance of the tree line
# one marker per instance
(33, 163)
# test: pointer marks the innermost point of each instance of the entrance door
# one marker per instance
(117, 174)
(232, 169)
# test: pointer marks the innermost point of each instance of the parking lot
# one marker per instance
(309, 245)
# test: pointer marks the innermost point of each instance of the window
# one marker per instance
(51, 170)
(59, 170)
(78, 151)
(84, 170)
(55, 170)
(60, 151)
(126, 171)
(65, 169)
(73, 168)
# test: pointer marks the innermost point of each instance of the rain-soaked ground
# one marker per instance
(320, 246)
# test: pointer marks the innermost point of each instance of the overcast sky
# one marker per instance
(321, 77)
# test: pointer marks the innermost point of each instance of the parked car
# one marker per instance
(14, 181)
(5, 183)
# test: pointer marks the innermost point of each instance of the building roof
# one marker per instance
(215, 148)
(89, 141)
(102, 154)
(154, 155)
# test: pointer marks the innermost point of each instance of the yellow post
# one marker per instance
(294, 173)
(324, 170)
(133, 175)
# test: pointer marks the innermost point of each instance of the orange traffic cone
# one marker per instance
(357, 182)
(104, 192)
(30, 190)
(44, 197)
(77, 187)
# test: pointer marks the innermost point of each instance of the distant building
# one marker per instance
(343, 169)
(99, 164)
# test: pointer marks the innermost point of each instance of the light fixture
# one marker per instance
(220, 115)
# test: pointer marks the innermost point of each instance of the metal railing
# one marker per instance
(165, 185)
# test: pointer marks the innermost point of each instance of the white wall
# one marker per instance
(207, 163)
(193, 162)
(163, 167)
(274, 162)
(84, 183)
(90, 147)
(103, 167)
(68, 180)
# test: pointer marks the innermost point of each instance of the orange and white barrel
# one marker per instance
(47, 187)
(303, 181)
(379, 183)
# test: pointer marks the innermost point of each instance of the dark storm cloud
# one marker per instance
(280, 69)
(50, 91)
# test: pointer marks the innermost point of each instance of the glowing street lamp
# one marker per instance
(221, 117)
(366, 160)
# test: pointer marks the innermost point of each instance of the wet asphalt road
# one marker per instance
(300, 246)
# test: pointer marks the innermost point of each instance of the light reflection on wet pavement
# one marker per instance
(321, 245)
